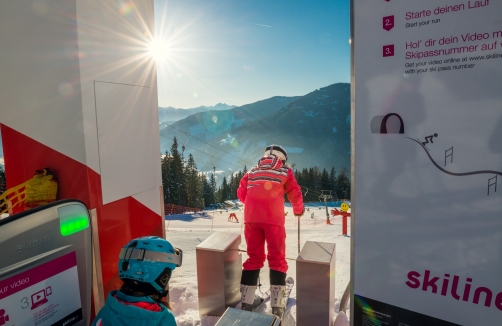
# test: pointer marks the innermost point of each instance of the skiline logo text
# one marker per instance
(435, 284)
(69, 320)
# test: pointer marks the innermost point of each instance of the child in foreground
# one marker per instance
(145, 267)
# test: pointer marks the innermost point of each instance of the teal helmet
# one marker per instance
(146, 264)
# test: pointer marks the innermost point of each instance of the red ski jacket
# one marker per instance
(262, 191)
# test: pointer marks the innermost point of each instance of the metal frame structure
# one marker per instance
(219, 268)
(353, 158)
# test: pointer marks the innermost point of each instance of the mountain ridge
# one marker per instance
(171, 114)
(314, 129)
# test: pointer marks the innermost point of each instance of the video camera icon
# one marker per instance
(3, 317)
(39, 298)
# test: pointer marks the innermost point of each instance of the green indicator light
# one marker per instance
(74, 226)
(72, 219)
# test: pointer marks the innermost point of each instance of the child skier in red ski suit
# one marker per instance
(262, 191)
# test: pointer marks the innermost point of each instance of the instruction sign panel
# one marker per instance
(428, 162)
(45, 295)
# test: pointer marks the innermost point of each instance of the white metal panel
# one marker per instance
(315, 284)
(39, 74)
(219, 268)
(125, 142)
(113, 39)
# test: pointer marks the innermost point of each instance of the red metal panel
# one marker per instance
(118, 222)
(23, 155)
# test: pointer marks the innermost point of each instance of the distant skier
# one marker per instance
(232, 216)
(262, 191)
(145, 267)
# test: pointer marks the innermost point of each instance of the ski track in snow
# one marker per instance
(187, 231)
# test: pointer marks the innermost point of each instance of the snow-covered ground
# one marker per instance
(187, 231)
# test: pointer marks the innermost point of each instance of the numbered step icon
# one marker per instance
(388, 23)
(388, 50)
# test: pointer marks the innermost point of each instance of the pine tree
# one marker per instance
(298, 177)
(315, 178)
(207, 192)
(343, 185)
(238, 179)
(184, 185)
(332, 181)
(231, 184)
(325, 180)
(164, 165)
(303, 178)
(217, 195)
(225, 190)
(175, 176)
(212, 189)
(193, 185)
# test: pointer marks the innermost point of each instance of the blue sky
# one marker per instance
(242, 51)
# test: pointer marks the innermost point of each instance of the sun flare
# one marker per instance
(159, 49)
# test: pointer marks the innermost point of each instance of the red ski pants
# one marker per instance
(256, 235)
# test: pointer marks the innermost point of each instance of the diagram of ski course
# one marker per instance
(453, 173)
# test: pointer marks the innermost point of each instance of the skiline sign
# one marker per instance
(427, 123)
(45, 295)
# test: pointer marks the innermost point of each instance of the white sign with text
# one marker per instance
(428, 162)
(45, 295)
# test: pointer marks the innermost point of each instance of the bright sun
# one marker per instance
(158, 49)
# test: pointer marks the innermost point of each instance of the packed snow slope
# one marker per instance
(187, 231)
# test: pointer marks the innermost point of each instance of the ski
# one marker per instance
(265, 298)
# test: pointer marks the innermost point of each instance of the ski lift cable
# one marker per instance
(312, 191)
(203, 152)
(240, 158)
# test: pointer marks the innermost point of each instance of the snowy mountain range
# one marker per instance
(314, 129)
(170, 114)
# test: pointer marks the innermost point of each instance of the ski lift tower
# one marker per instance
(326, 194)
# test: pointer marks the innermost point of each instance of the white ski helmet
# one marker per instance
(278, 151)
